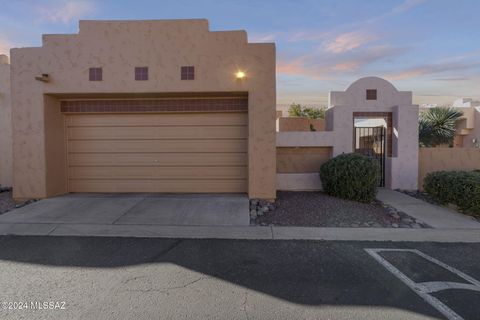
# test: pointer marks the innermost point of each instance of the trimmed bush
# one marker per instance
(461, 188)
(351, 176)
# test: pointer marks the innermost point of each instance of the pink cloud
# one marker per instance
(295, 67)
(349, 41)
(346, 66)
(320, 65)
(430, 69)
(301, 67)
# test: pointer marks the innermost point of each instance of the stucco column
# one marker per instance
(262, 146)
(405, 164)
(28, 127)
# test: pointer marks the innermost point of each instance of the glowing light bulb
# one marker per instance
(240, 75)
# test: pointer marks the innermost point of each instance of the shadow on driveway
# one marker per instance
(311, 273)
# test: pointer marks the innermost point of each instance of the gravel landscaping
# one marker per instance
(6, 202)
(317, 209)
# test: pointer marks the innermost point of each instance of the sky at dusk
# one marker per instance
(431, 47)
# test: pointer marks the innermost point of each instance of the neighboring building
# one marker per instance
(144, 106)
(5, 124)
(468, 127)
(428, 105)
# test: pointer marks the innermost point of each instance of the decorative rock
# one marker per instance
(395, 216)
(376, 225)
(407, 220)
(394, 225)
(391, 210)
(416, 226)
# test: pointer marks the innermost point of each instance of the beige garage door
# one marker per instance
(189, 152)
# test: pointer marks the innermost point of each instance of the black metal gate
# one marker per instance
(371, 141)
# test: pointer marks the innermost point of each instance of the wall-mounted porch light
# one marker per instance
(44, 77)
(240, 75)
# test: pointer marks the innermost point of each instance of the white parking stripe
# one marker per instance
(424, 289)
(434, 286)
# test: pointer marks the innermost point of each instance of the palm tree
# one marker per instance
(437, 126)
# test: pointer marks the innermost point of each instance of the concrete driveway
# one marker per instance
(138, 209)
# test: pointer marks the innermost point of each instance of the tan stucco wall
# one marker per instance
(302, 159)
(446, 159)
(118, 46)
(5, 124)
(286, 124)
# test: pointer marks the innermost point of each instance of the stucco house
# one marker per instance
(468, 126)
(169, 106)
(144, 106)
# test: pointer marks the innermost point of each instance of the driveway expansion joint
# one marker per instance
(128, 210)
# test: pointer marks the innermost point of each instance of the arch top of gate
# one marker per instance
(371, 92)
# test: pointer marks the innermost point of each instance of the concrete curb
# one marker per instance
(376, 234)
(247, 232)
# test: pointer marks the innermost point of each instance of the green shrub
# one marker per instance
(351, 176)
(297, 110)
(461, 188)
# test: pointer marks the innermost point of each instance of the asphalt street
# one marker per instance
(140, 278)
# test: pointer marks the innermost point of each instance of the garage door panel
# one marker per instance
(136, 146)
(185, 132)
(157, 159)
(137, 120)
(192, 173)
(183, 152)
(175, 185)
